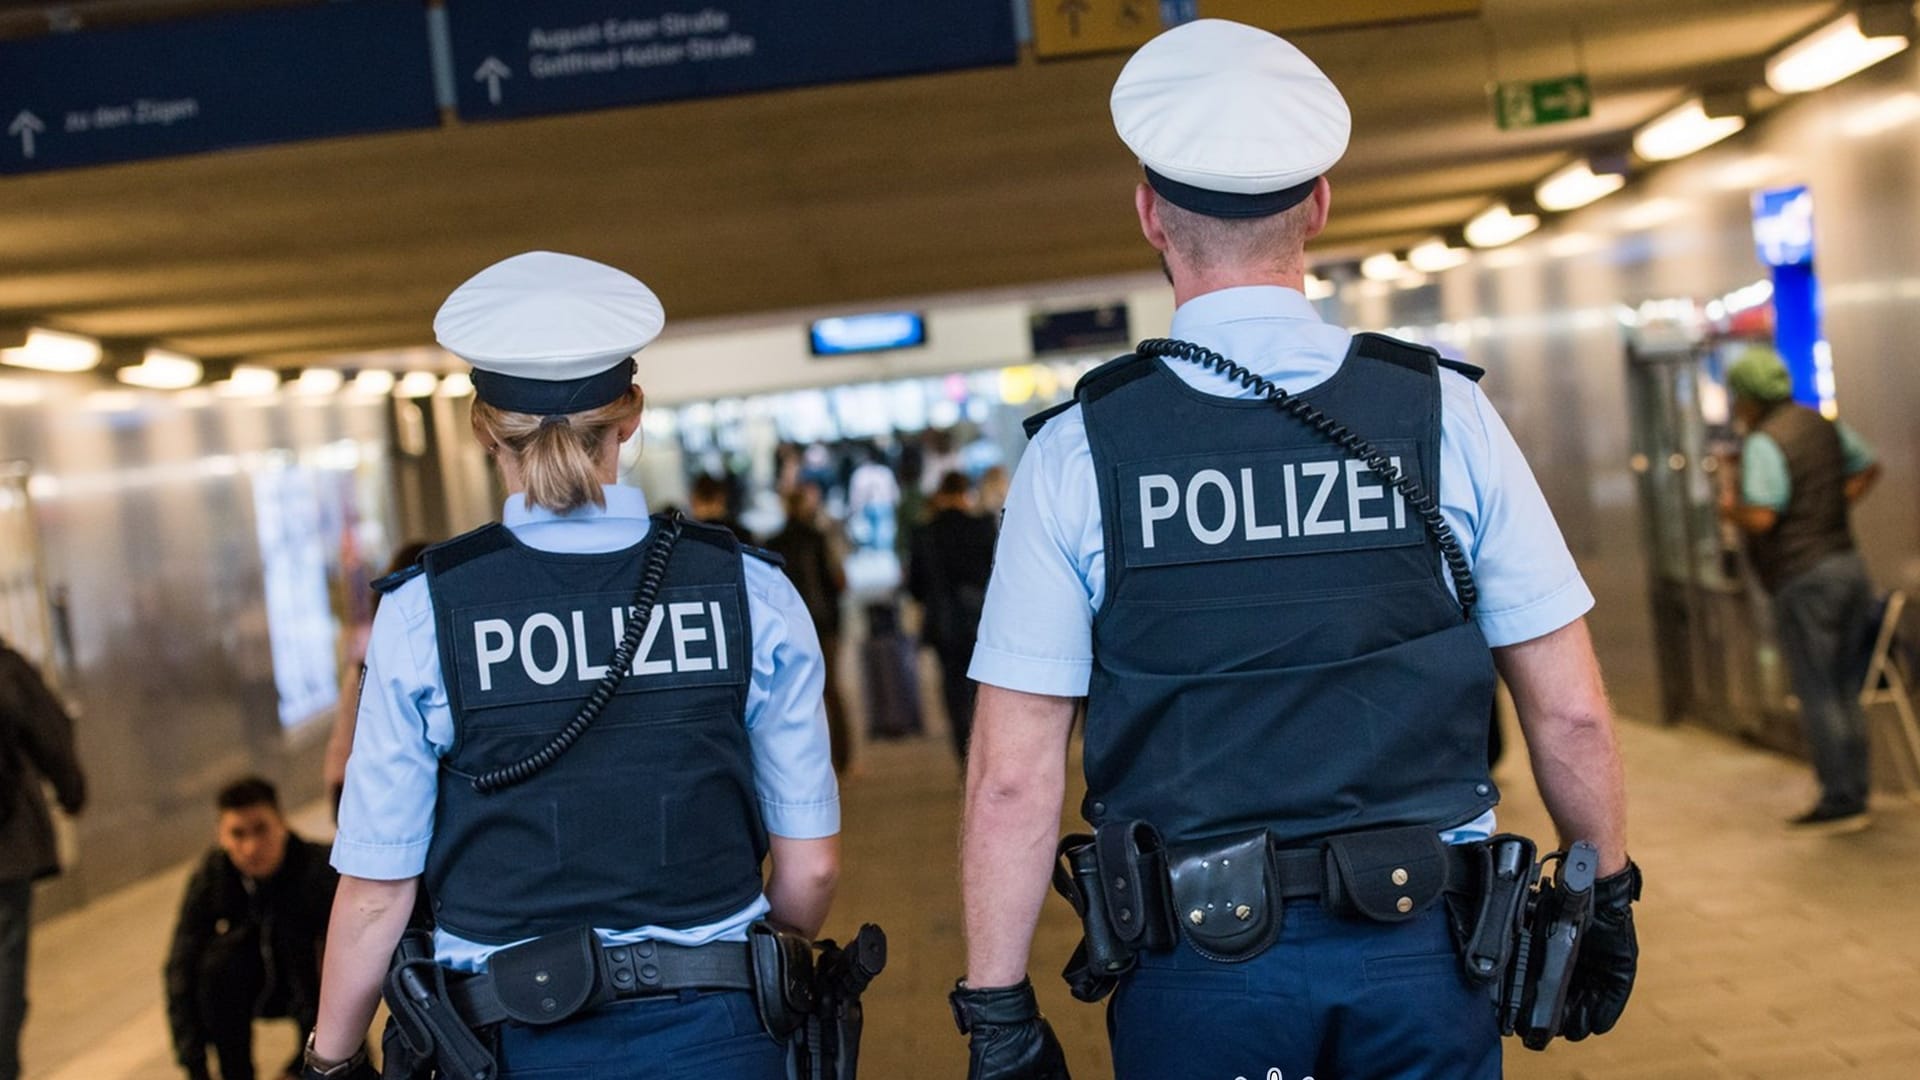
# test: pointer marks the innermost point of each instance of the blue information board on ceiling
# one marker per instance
(513, 58)
(97, 97)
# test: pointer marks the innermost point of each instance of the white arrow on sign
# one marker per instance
(491, 72)
(24, 127)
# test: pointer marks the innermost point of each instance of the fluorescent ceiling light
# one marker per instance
(1829, 54)
(1884, 115)
(51, 350)
(1575, 186)
(417, 384)
(1435, 256)
(248, 381)
(1657, 211)
(1318, 288)
(373, 382)
(1498, 225)
(1683, 131)
(1382, 267)
(160, 369)
(458, 384)
(319, 381)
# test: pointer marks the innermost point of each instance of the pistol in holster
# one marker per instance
(827, 1044)
(1552, 920)
(425, 1035)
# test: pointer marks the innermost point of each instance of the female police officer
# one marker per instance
(707, 754)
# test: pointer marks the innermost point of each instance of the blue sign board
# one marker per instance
(96, 97)
(513, 58)
(868, 333)
(1783, 226)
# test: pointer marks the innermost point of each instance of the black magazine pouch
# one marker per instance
(782, 978)
(1226, 896)
(551, 978)
(1386, 875)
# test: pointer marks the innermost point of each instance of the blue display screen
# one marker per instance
(868, 333)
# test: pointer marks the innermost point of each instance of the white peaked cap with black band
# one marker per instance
(1229, 120)
(549, 334)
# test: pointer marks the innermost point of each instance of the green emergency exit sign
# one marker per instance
(1543, 101)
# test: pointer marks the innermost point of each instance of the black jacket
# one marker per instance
(951, 560)
(814, 571)
(279, 927)
(36, 742)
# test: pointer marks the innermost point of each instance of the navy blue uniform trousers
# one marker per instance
(691, 1036)
(1334, 998)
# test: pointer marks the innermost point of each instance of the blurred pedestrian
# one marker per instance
(709, 501)
(333, 767)
(815, 569)
(251, 931)
(36, 746)
(1790, 491)
(951, 561)
(994, 482)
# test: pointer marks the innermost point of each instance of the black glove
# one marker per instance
(1008, 1039)
(1603, 975)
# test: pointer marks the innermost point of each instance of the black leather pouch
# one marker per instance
(1386, 875)
(551, 978)
(782, 978)
(1132, 877)
(1226, 896)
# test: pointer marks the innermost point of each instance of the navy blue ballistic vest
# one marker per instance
(651, 817)
(1277, 647)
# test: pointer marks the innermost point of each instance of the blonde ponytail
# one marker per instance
(557, 456)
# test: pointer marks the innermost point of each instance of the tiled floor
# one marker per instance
(1764, 954)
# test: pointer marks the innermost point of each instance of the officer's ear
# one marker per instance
(1147, 207)
(1322, 200)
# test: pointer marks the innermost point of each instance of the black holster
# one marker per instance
(829, 1046)
(1117, 882)
(1552, 925)
(425, 1033)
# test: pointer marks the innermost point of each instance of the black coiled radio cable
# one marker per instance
(653, 572)
(1340, 435)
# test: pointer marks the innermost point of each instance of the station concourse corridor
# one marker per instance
(1764, 954)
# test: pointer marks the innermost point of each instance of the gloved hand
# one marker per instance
(1603, 975)
(1008, 1038)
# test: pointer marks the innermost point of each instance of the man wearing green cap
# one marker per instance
(1790, 491)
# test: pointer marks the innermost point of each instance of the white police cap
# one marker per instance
(1229, 120)
(549, 334)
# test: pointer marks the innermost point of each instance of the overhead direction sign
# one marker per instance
(1542, 101)
(513, 58)
(1077, 27)
(1283, 16)
(97, 97)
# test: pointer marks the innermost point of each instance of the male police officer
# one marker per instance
(1286, 710)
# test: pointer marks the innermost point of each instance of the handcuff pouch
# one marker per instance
(550, 978)
(1226, 895)
(1385, 875)
(783, 989)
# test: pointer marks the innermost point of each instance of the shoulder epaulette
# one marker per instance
(387, 584)
(1473, 372)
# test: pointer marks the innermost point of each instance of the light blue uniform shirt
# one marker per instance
(1764, 479)
(1049, 573)
(405, 723)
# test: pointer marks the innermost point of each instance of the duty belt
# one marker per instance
(632, 971)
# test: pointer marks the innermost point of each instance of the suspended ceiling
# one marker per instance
(800, 199)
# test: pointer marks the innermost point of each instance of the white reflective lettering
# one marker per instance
(501, 632)
(683, 635)
(1327, 471)
(719, 637)
(1399, 500)
(642, 665)
(1216, 479)
(1358, 493)
(1293, 500)
(1151, 511)
(551, 624)
(582, 670)
(1255, 530)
